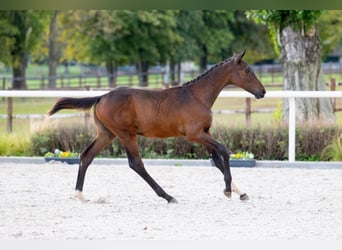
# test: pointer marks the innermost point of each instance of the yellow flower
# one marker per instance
(65, 154)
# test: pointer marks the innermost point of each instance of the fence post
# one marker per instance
(333, 88)
(9, 113)
(98, 80)
(42, 84)
(3, 86)
(131, 78)
(80, 81)
(62, 81)
(292, 129)
(87, 114)
(248, 111)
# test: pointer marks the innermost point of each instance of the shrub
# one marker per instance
(333, 151)
(264, 143)
(15, 144)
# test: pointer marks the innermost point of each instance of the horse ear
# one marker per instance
(238, 57)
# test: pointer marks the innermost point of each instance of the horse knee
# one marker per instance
(136, 164)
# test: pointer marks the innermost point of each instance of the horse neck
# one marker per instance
(207, 88)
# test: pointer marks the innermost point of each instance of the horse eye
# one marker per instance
(247, 70)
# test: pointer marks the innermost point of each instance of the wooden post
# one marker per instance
(98, 81)
(87, 114)
(80, 81)
(131, 79)
(9, 113)
(3, 86)
(333, 88)
(248, 111)
(42, 84)
(62, 81)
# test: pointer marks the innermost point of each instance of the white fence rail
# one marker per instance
(290, 95)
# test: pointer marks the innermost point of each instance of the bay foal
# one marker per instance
(180, 111)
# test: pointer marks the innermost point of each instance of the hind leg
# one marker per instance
(103, 139)
(137, 165)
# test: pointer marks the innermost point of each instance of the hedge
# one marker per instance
(264, 142)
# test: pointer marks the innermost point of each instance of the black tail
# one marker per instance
(74, 103)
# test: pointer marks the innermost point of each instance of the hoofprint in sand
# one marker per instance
(36, 203)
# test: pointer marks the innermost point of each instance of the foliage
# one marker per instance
(15, 144)
(265, 143)
(276, 20)
(23, 29)
(330, 29)
(66, 137)
(244, 32)
(333, 151)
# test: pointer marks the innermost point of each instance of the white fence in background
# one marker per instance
(290, 95)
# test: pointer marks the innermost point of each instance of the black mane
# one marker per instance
(208, 71)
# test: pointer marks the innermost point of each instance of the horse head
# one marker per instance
(243, 76)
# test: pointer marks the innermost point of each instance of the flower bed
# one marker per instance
(62, 156)
(240, 159)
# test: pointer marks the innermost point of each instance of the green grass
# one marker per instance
(15, 144)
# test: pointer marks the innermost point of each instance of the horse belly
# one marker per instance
(157, 129)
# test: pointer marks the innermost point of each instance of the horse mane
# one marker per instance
(208, 71)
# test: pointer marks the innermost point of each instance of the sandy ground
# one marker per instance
(35, 203)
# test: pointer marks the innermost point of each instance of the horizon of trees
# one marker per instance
(141, 38)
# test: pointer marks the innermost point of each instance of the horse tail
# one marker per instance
(74, 103)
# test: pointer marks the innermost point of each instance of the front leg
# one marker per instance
(220, 165)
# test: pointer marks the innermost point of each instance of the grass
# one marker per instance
(15, 144)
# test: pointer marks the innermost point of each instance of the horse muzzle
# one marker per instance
(260, 95)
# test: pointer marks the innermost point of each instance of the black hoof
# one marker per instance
(244, 197)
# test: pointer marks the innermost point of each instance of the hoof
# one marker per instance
(244, 197)
(228, 194)
(173, 200)
(79, 196)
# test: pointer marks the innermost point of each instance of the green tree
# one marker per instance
(212, 35)
(100, 33)
(21, 32)
(330, 26)
(186, 47)
(244, 33)
(53, 50)
(150, 38)
(296, 34)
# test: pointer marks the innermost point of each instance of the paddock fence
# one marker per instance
(290, 95)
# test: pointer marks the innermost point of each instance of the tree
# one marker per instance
(53, 53)
(296, 32)
(99, 32)
(23, 29)
(151, 37)
(212, 34)
(185, 48)
(244, 33)
(55, 43)
(330, 24)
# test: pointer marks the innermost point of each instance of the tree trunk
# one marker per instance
(204, 60)
(19, 72)
(203, 63)
(53, 50)
(143, 73)
(179, 73)
(112, 73)
(302, 70)
(172, 72)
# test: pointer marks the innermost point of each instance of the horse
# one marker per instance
(180, 111)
